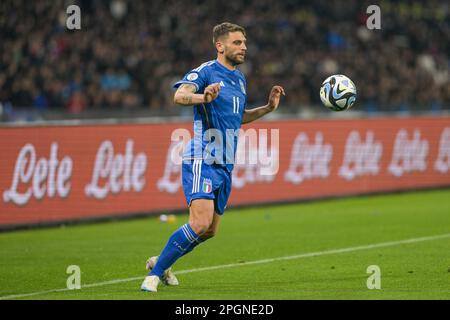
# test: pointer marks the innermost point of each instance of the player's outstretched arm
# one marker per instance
(186, 96)
(273, 103)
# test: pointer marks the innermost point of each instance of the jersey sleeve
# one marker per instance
(198, 78)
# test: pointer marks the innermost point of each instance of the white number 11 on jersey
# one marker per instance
(235, 104)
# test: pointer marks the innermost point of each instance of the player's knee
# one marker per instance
(200, 223)
(201, 217)
(200, 226)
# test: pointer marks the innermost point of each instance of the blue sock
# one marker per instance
(193, 245)
(179, 242)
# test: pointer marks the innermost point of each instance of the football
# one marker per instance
(338, 92)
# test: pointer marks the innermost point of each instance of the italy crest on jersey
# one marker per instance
(207, 185)
(242, 86)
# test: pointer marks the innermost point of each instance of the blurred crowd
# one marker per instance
(128, 53)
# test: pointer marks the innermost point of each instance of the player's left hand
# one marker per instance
(274, 97)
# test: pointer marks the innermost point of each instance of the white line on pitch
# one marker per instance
(231, 265)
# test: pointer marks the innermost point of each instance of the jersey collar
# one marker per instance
(225, 68)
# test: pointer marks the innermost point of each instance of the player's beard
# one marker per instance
(234, 59)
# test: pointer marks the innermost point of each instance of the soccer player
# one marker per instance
(217, 90)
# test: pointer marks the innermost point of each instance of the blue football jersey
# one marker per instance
(224, 114)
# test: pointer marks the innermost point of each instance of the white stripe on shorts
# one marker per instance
(196, 175)
(199, 170)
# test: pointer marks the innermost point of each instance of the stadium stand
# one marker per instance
(129, 53)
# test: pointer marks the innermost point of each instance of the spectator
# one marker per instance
(76, 103)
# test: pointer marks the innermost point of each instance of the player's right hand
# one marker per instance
(211, 92)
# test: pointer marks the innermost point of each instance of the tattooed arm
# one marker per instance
(185, 95)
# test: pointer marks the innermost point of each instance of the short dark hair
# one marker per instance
(224, 28)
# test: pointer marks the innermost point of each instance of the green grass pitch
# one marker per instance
(112, 255)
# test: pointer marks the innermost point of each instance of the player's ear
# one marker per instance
(220, 47)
